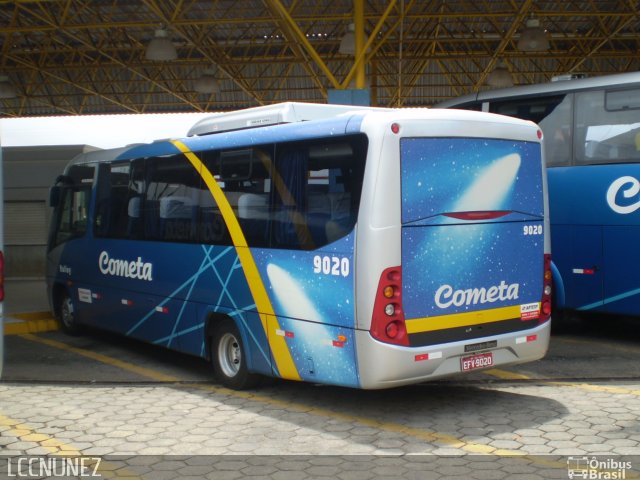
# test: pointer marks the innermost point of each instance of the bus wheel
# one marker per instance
(228, 358)
(67, 316)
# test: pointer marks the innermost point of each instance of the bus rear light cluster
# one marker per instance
(545, 310)
(387, 323)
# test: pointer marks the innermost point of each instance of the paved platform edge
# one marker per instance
(29, 322)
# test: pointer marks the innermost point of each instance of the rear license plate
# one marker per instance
(480, 360)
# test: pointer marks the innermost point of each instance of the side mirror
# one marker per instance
(55, 193)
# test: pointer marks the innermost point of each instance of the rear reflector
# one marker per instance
(547, 290)
(527, 339)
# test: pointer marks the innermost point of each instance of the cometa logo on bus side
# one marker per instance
(125, 268)
(630, 188)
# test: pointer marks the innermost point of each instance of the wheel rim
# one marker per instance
(67, 312)
(229, 355)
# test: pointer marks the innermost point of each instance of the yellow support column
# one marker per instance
(358, 20)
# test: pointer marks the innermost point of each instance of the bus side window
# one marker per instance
(243, 176)
(72, 214)
(317, 191)
(171, 205)
(606, 126)
(111, 208)
(554, 116)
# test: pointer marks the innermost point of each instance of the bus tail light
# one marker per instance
(387, 324)
(545, 304)
(1, 276)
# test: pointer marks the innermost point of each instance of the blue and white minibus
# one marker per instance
(592, 142)
(367, 248)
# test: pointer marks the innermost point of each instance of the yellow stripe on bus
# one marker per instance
(282, 356)
(466, 319)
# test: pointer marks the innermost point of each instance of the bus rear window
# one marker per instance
(444, 176)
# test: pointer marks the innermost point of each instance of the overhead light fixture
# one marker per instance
(500, 77)
(348, 42)
(533, 38)
(161, 48)
(7, 90)
(207, 83)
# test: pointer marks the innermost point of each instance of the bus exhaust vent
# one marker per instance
(288, 112)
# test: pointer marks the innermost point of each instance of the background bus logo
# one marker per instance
(630, 187)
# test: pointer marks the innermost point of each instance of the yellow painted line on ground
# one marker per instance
(598, 388)
(26, 433)
(426, 435)
(30, 316)
(613, 346)
(506, 375)
(429, 436)
(114, 362)
(53, 446)
(31, 322)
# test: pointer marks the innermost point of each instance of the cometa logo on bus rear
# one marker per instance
(125, 268)
(447, 296)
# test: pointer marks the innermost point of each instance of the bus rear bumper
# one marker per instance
(383, 365)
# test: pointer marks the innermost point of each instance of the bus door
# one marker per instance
(472, 237)
(68, 246)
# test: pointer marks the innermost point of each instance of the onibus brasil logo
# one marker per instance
(593, 468)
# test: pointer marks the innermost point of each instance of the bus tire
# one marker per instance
(228, 357)
(67, 315)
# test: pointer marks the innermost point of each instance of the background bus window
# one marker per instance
(607, 127)
(171, 205)
(552, 114)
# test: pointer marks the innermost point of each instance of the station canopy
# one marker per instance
(76, 57)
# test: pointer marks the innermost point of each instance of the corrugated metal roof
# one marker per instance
(78, 57)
